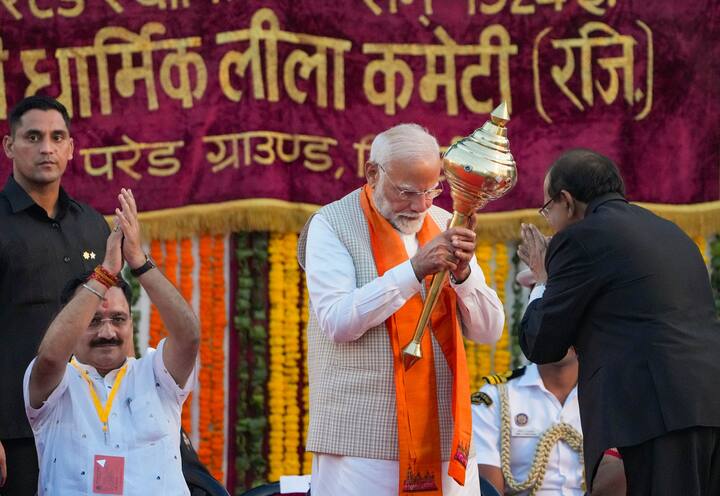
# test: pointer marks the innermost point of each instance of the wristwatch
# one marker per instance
(149, 264)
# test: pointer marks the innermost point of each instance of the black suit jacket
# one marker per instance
(631, 292)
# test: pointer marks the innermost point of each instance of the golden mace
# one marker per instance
(479, 168)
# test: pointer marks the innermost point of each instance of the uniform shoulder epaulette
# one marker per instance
(481, 398)
(495, 379)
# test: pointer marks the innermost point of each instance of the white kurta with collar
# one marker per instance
(345, 312)
(143, 427)
(529, 397)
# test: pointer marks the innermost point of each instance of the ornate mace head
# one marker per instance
(480, 167)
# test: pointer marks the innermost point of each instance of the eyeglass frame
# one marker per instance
(544, 209)
(429, 194)
(95, 324)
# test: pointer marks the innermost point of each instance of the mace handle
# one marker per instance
(436, 284)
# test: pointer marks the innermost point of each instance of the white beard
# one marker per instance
(406, 223)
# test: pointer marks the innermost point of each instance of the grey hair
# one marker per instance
(403, 143)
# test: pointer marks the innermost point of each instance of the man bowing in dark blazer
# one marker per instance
(631, 292)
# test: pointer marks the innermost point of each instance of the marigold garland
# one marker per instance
(212, 354)
(205, 447)
(217, 374)
(276, 344)
(291, 369)
(187, 263)
(482, 352)
(305, 315)
(156, 330)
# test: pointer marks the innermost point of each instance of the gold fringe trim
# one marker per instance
(697, 219)
(262, 214)
(257, 214)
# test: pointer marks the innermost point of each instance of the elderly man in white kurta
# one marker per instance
(376, 428)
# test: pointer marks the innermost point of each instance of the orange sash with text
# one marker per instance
(416, 389)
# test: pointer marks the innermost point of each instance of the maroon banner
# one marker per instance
(194, 102)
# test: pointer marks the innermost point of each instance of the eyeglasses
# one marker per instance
(410, 195)
(544, 210)
(116, 321)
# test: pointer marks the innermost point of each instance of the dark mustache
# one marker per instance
(105, 342)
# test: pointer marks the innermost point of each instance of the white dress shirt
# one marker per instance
(345, 312)
(143, 427)
(541, 409)
(537, 292)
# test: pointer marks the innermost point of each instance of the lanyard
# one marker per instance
(103, 411)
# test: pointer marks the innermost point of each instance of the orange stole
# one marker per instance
(415, 389)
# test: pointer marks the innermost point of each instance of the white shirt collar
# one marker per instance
(532, 378)
(92, 371)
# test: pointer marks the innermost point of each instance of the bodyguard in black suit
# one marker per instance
(631, 292)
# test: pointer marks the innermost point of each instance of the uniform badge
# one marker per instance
(89, 255)
(521, 419)
(480, 398)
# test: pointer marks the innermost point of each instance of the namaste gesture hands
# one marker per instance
(532, 251)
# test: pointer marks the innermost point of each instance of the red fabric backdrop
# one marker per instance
(638, 81)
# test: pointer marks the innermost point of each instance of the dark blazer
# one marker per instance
(631, 292)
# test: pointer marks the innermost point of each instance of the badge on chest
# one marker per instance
(108, 474)
(522, 426)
